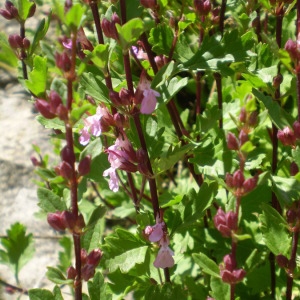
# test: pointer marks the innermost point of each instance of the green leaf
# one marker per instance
(274, 230)
(220, 290)
(24, 7)
(40, 33)
(161, 38)
(37, 78)
(38, 294)
(57, 293)
(18, 248)
(94, 87)
(74, 16)
(51, 123)
(8, 57)
(277, 114)
(127, 260)
(99, 56)
(98, 289)
(130, 32)
(93, 149)
(207, 264)
(171, 88)
(66, 255)
(56, 276)
(50, 202)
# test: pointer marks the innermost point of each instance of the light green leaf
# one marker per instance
(207, 264)
(55, 123)
(56, 276)
(126, 261)
(38, 294)
(220, 289)
(274, 230)
(37, 78)
(99, 56)
(74, 16)
(50, 202)
(98, 289)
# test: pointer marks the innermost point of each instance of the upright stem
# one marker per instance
(218, 79)
(23, 54)
(222, 16)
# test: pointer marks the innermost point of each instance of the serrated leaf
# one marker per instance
(56, 276)
(93, 149)
(207, 264)
(94, 87)
(130, 32)
(171, 88)
(274, 230)
(127, 260)
(99, 56)
(38, 294)
(161, 38)
(220, 289)
(57, 293)
(18, 248)
(98, 289)
(37, 78)
(50, 202)
(51, 123)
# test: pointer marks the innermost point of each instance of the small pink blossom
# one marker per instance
(113, 182)
(164, 258)
(157, 232)
(149, 101)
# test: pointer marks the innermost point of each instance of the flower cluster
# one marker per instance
(157, 233)
(226, 223)
(11, 12)
(109, 27)
(288, 136)
(228, 271)
(89, 262)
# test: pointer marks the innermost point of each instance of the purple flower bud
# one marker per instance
(6, 14)
(106, 27)
(67, 155)
(63, 61)
(55, 221)
(8, 5)
(15, 41)
(232, 142)
(69, 219)
(44, 108)
(62, 112)
(229, 262)
(203, 7)
(232, 277)
(71, 273)
(87, 272)
(250, 184)
(14, 12)
(115, 98)
(66, 170)
(32, 10)
(54, 100)
(282, 261)
(84, 166)
(277, 80)
(225, 223)
(294, 168)
(94, 257)
(229, 180)
(291, 48)
(149, 3)
(252, 121)
(80, 224)
(243, 137)
(243, 115)
(121, 121)
(35, 161)
(125, 96)
(26, 43)
(296, 127)
(83, 256)
(286, 136)
(238, 179)
(142, 162)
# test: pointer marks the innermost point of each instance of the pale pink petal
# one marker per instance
(164, 258)
(84, 137)
(157, 233)
(149, 102)
(113, 182)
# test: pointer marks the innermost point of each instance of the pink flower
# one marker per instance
(113, 182)
(149, 101)
(92, 126)
(225, 222)
(164, 258)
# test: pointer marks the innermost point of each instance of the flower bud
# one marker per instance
(282, 261)
(55, 221)
(83, 256)
(142, 162)
(67, 155)
(94, 257)
(15, 41)
(243, 115)
(54, 100)
(277, 80)
(291, 216)
(6, 14)
(250, 184)
(238, 179)
(121, 121)
(26, 43)
(202, 7)
(225, 223)
(80, 224)
(87, 272)
(291, 48)
(84, 166)
(229, 180)
(229, 262)
(32, 10)
(69, 219)
(66, 170)
(35, 161)
(44, 108)
(125, 96)
(232, 142)
(63, 61)
(71, 273)
(148, 3)
(62, 112)
(14, 12)
(243, 137)
(294, 168)
(286, 136)
(115, 98)
(252, 121)
(106, 28)
(296, 127)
